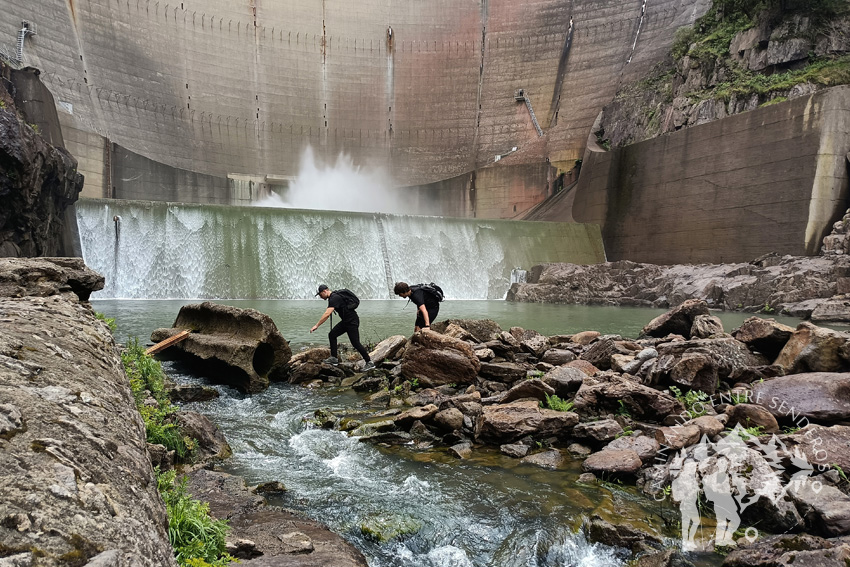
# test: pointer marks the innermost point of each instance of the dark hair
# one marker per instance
(401, 287)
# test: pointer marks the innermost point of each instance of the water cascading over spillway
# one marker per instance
(186, 251)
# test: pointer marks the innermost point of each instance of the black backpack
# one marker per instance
(352, 302)
(431, 288)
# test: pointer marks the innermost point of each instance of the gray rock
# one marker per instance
(461, 450)
(706, 326)
(515, 450)
(504, 423)
(551, 459)
(677, 321)
(764, 335)
(645, 447)
(558, 356)
(244, 343)
(816, 396)
(387, 348)
(600, 431)
(564, 380)
(536, 389)
(825, 509)
(613, 461)
(791, 549)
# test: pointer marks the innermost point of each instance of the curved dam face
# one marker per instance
(426, 91)
(158, 250)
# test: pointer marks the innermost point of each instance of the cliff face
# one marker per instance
(729, 63)
(38, 181)
(78, 487)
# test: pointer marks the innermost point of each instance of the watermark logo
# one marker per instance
(731, 475)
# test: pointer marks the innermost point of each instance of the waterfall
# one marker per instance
(187, 251)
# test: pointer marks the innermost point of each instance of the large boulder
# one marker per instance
(815, 349)
(42, 277)
(76, 476)
(764, 335)
(504, 423)
(642, 402)
(613, 461)
(677, 321)
(700, 364)
(483, 330)
(434, 360)
(816, 396)
(240, 347)
(825, 509)
(565, 380)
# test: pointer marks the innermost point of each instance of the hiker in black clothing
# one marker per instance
(427, 304)
(349, 323)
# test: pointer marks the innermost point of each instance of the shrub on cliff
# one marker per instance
(147, 381)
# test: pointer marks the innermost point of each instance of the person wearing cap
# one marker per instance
(349, 324)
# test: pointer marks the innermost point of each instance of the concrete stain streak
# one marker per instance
(562, 71)
(637, 32)
(484, 16)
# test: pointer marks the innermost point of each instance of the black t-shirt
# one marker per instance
(337, 301)
(422, 297)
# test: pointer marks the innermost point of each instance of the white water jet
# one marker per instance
(341, 186)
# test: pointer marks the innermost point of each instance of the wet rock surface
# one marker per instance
(76, 475)
(241, 347)
(277, 536)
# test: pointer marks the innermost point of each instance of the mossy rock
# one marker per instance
(387, 527)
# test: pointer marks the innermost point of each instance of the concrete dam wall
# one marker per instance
(770, 180)
(423, 90)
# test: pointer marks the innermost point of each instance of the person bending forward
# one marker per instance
(349, 324)
(427, 306)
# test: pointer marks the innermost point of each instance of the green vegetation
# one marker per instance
(555, 403)
(147, 381)
(110, 322)
(707, 43)
(198, 539)
(623, 410)
(695, 401)
(747, 433)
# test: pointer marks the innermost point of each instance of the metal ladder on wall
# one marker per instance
(27, 29)
(520, 96)
(387, 268)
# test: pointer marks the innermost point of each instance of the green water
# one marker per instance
(384, 318)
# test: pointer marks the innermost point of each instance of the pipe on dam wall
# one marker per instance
(175, 250)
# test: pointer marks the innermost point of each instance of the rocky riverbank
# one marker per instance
(78, 485)
(810, 287)
(669, 411)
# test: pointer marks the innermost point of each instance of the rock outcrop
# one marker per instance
(772, 284)
(77, 480)
(38, 182)
(240, 347)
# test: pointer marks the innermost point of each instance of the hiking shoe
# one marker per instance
(332, 360)
(369, 366)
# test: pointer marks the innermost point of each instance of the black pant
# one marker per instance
(432, 314)
(351, 326)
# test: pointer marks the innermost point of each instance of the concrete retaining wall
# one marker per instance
(770, 180)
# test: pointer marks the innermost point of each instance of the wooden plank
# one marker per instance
(162, 345)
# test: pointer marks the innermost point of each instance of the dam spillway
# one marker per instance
(158, 250)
